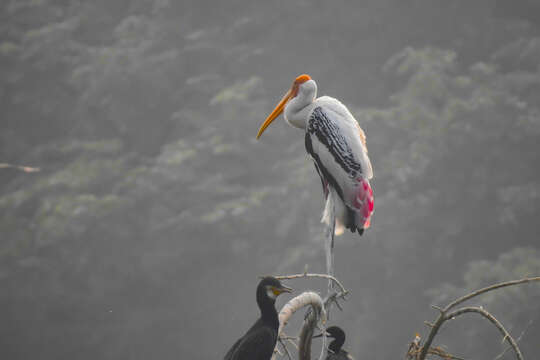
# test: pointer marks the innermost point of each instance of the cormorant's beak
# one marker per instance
(282, 289)
(277, 111)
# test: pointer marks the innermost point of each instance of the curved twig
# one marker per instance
(309, 275)
(493, 320)
(490, 288)
(27, 169)
(304, 348)
(298, 302)
(305, 299)
(443, 312)
(306, 334)
(285, 348)
(518, 339)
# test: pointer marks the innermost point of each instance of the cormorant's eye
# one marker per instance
(271, 292)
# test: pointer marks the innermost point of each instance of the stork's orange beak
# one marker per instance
(276, 112)
(281, 105)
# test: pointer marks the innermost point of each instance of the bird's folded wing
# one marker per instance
(338, 147)
(231, 351)
(257, 344)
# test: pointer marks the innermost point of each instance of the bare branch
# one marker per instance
(490, 288)
(443, 354)
(304, 345)
(298, 302)
(443, 317)
(415, 349)
(308, 275)
(290, 340)
(434, 329)
(305, 299)
(493, 320)
(317, 312)
(517, 341)
(27, 169)
(304, 349)
(285, 348)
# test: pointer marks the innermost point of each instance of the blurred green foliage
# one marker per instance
(155, 209)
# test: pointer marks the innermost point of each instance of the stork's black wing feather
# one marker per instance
(336, 144)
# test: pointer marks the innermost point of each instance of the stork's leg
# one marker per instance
(329, 219)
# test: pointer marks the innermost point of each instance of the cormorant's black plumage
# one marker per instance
(259, 341)
(335, 352)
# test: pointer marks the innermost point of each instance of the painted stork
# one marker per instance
(337, 145)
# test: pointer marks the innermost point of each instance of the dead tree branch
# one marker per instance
(309, 275)
(27, 169)
(490, 288)
(298, 302)
(304, 348)
(317, 313)
(307, 298)
(306, 334)
(493, 320)
(444, 315)
(517, 341)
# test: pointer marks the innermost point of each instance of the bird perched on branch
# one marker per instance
(337, 145)
(335, 352)
(259, 341)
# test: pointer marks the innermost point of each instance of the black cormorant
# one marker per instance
(259, 341)
(335, 352)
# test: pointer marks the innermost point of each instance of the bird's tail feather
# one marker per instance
(363, 205)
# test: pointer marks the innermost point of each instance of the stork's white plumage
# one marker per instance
(337, 145)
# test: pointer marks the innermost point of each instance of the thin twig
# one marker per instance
(304, 348)
(434, 329)
(517, 341)
(490, 288)
(309, 275)
(414, 350)
(306, 334)
(27, 169)
(493, 320)
(286, 337)
(442, 314)
(286, 350)
(307, 298)
(293, 343)
(443, 354)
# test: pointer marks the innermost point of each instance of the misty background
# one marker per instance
(155, 210)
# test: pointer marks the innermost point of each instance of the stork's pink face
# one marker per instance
(293, 91)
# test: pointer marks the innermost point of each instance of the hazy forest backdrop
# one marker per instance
(155, 209)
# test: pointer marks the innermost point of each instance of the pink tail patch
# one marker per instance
(364, 202)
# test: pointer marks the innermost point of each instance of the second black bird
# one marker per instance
(335, 352)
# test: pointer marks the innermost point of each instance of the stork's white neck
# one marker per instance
(298, 108)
